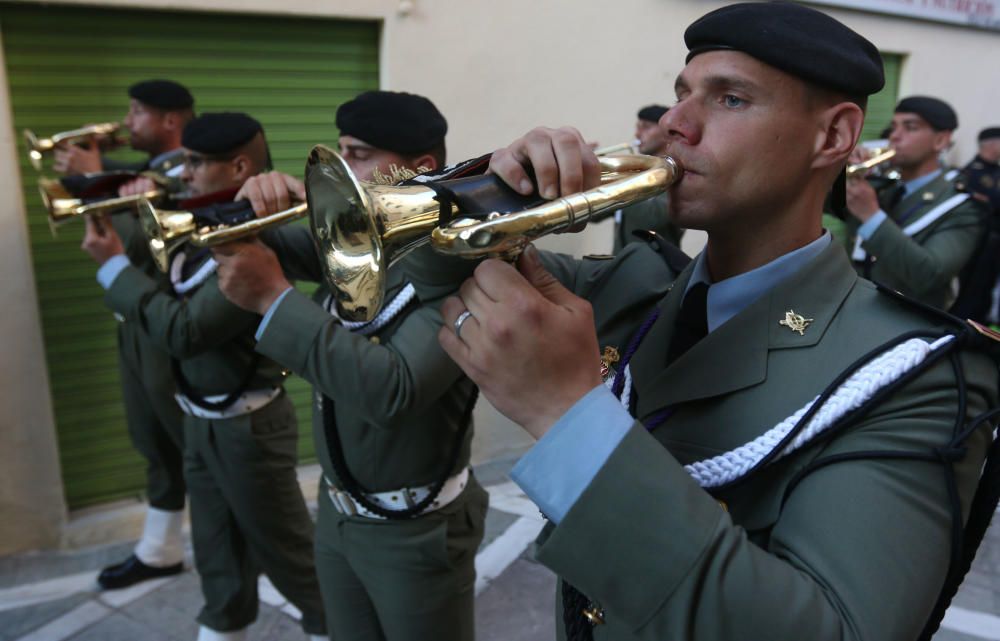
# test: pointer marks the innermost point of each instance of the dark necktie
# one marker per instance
(692, 321)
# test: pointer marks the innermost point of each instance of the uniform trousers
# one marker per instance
(407, 580)
(248, 516)
(155, 422)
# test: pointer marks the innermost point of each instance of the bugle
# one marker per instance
(38, 147)
(168, 230)
(360, 228)
(62, 206)
(880, 155)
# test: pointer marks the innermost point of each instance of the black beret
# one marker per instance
(652, 113)
(937, 113)
(162, 94)
(401, 122)
(219, 133)
(798, 40)
(989, 132)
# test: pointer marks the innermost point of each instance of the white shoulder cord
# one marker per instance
(199, 277)
(881, 371)
(384, 317)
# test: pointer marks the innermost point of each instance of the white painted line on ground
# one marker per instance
(49, 590)
(120, 598)
(268, 593)
(977, 624)
(504, 550)
(70, 623)
(508, 497)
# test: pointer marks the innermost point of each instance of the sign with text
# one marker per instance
(973, 13)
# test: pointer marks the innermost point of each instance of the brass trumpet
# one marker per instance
(880, 155)
(37, 147)
(63, 206)
(360, 229)
(167, 230)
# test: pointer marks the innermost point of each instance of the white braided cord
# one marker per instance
(384, 317)
(859, 387)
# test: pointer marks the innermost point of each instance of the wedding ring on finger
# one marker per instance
(464, 316)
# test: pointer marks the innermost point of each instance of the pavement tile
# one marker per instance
(20, 621)
(38, 566)
(63, 627)
(119, 627)
(519, 604)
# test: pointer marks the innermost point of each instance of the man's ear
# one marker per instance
(172, 121)
(243, 168)
(839, 134)
(426, 160)
(942, 141)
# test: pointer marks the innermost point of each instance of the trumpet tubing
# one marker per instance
(881, 156)
(625, 179)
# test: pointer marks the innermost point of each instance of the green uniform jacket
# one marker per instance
(859, 550)
(398, 397)
(211, 337)
(924, 265)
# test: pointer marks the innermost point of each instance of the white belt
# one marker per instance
(401, 499)
(247, 402)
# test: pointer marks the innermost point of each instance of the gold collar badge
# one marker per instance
(795, 322)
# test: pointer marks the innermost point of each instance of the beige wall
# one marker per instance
(32, 507)
(496, 69)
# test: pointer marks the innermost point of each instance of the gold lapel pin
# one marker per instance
(795, 322)
(928, 196)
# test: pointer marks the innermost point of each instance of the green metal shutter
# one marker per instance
(882, 104)
(72, 65)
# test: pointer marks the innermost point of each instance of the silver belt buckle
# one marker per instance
(343, 502)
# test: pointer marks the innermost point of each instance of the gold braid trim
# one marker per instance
(396, 174)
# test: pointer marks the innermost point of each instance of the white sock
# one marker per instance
(208, 634)
(162, 543)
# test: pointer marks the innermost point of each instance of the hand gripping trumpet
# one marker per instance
(360, 229)
(38, 147)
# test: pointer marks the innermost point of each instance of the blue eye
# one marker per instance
(733, 101)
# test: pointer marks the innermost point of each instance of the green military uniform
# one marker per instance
(834, 556)
(154, 420)
(398, 405)
(981, 178)
(930, 236)
(650, 214)
(247, 512)
(977, 300)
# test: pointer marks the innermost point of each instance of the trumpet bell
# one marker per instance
(165, 231)
(360, 229)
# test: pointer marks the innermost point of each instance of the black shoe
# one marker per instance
(132, 571)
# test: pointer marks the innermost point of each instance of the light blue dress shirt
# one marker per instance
(867, 229)
(110, 270)
(270, 312)
(556, 471)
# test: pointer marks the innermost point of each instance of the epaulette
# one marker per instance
(675, 258)
(974, 335)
